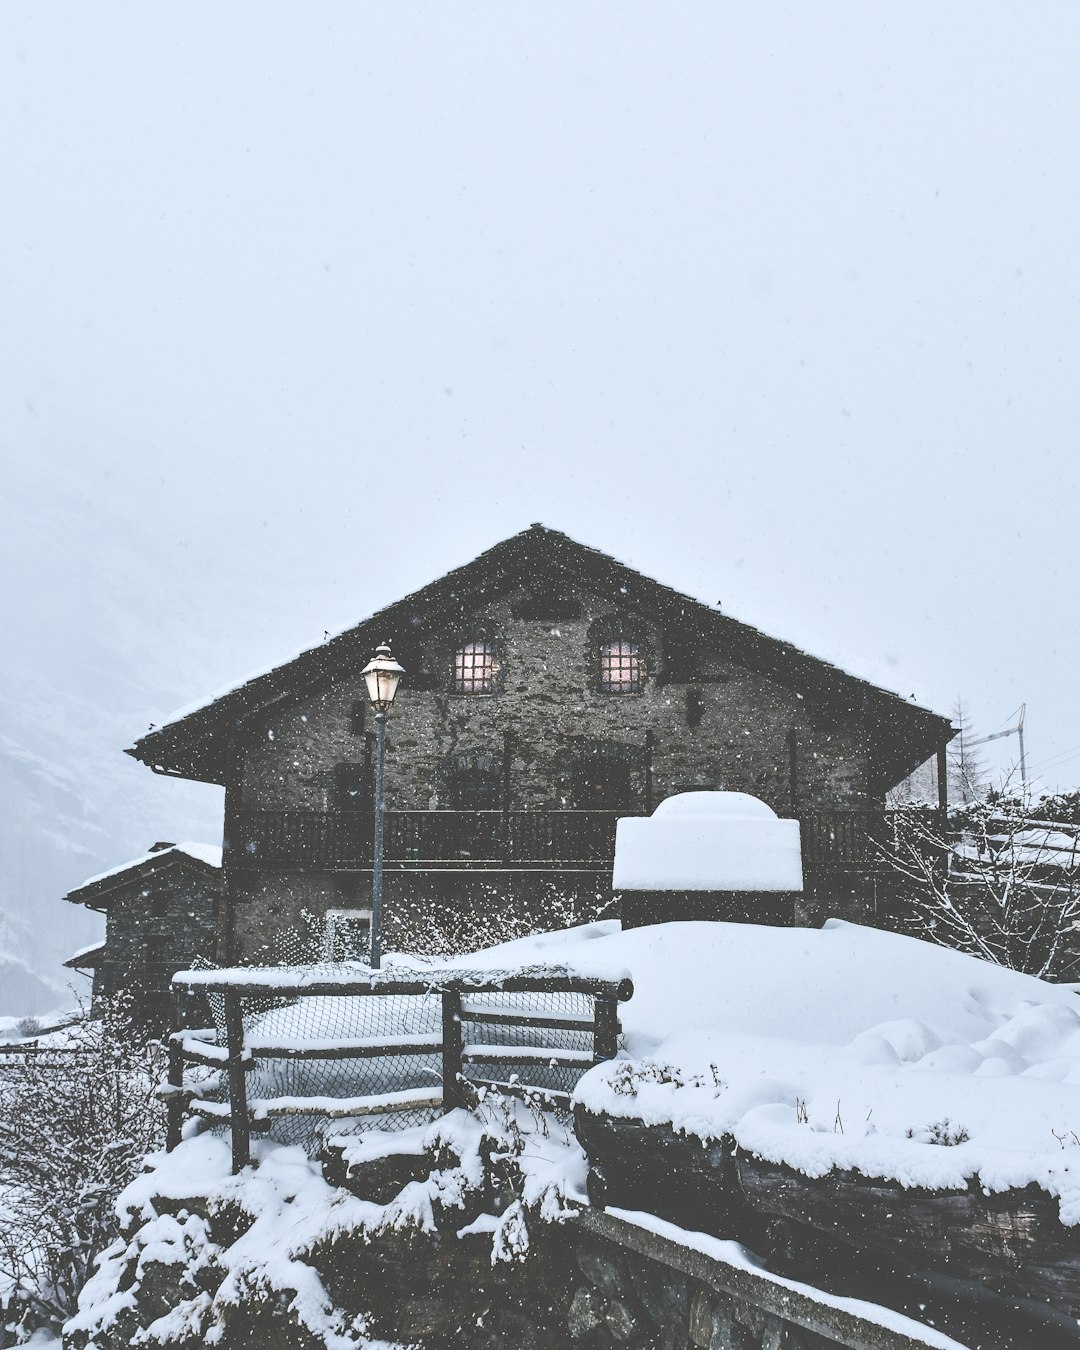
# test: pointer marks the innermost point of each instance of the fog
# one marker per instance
(303, 306)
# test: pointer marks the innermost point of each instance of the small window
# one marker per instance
(348, 935)
(620, 668)
(474, 668)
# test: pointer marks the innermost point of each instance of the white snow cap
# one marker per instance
(207, 853)
(708, 841)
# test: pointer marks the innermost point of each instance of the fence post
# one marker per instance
(451, 1049)
(238, 1107)
(174, 1103)
(605, 1027)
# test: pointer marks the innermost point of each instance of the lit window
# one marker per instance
(474, 668)
(620, 668)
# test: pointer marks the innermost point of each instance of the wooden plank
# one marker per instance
(374, 985)
(340, 1108)
(605, 1027)
(780, 1298)
(512, 1017)
(521, 1090)
(212, 1056)
(451, 1050)
(234, 1035)
(527, 1054)
(174, 1105)
(174, 1102)
(217, 1111)
(208, 1034)
(356, 1048)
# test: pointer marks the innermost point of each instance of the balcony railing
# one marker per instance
(426, 839)
(843, 838)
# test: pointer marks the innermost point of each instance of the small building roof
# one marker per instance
(194, 742)
(86, 958)
(201, 858)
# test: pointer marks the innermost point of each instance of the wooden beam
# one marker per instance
(451, 1050)
(238, 1106)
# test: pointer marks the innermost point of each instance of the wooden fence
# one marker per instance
(462, 1005)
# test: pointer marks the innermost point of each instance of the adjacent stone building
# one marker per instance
(161, 914)
(549, 689)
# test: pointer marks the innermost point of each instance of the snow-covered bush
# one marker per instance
(445, 930)
(76, 1121)
(1001, 882)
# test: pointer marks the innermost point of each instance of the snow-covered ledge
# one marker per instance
(708, 841)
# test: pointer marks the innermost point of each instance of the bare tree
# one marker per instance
(76, 1120)
(996, 882)
(967, 771)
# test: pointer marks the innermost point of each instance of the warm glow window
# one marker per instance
(620, 668)
(474, 668)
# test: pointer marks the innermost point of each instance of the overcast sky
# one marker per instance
(304, 304)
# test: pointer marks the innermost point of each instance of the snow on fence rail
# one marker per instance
(285, 1046)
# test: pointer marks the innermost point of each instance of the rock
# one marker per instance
(604, 1270)
(710, 1321)
(586, 1312)
(621, 1321)
(666, 1298)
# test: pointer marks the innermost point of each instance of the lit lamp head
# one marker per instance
(381, 674)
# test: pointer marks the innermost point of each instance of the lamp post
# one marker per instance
(381, 675)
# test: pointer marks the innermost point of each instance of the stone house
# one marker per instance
(549, 689)
(161, 914)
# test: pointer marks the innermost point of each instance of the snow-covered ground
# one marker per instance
(840, 1047)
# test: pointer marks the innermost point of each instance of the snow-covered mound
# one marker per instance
(708, 841)
(841, 1047)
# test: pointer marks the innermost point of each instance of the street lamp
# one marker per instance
(381, 674)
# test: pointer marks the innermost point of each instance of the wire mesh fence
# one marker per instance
(370, 1055)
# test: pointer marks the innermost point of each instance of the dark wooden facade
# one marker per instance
(549, 689)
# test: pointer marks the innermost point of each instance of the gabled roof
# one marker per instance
(202, 859)
(194, 742)
(86, 958)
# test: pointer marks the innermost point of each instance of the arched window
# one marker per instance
(620, 667)
(474, 668)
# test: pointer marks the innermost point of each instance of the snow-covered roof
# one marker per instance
(190, 744)
(86, 956)
(209, 854)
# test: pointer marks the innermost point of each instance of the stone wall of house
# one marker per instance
(155, 926)
(548, 734)
(420, 910)
(719, 725)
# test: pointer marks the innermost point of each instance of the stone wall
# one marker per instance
(699, 720)
(592, 1283)
(156, 925)
(421, 911)
(732, 734)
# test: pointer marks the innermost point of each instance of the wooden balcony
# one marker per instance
(426, 840)
(844, 839)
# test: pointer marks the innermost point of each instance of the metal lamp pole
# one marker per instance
(382, 674)
(376, 877)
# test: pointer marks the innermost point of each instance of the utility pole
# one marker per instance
(1017, 730)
